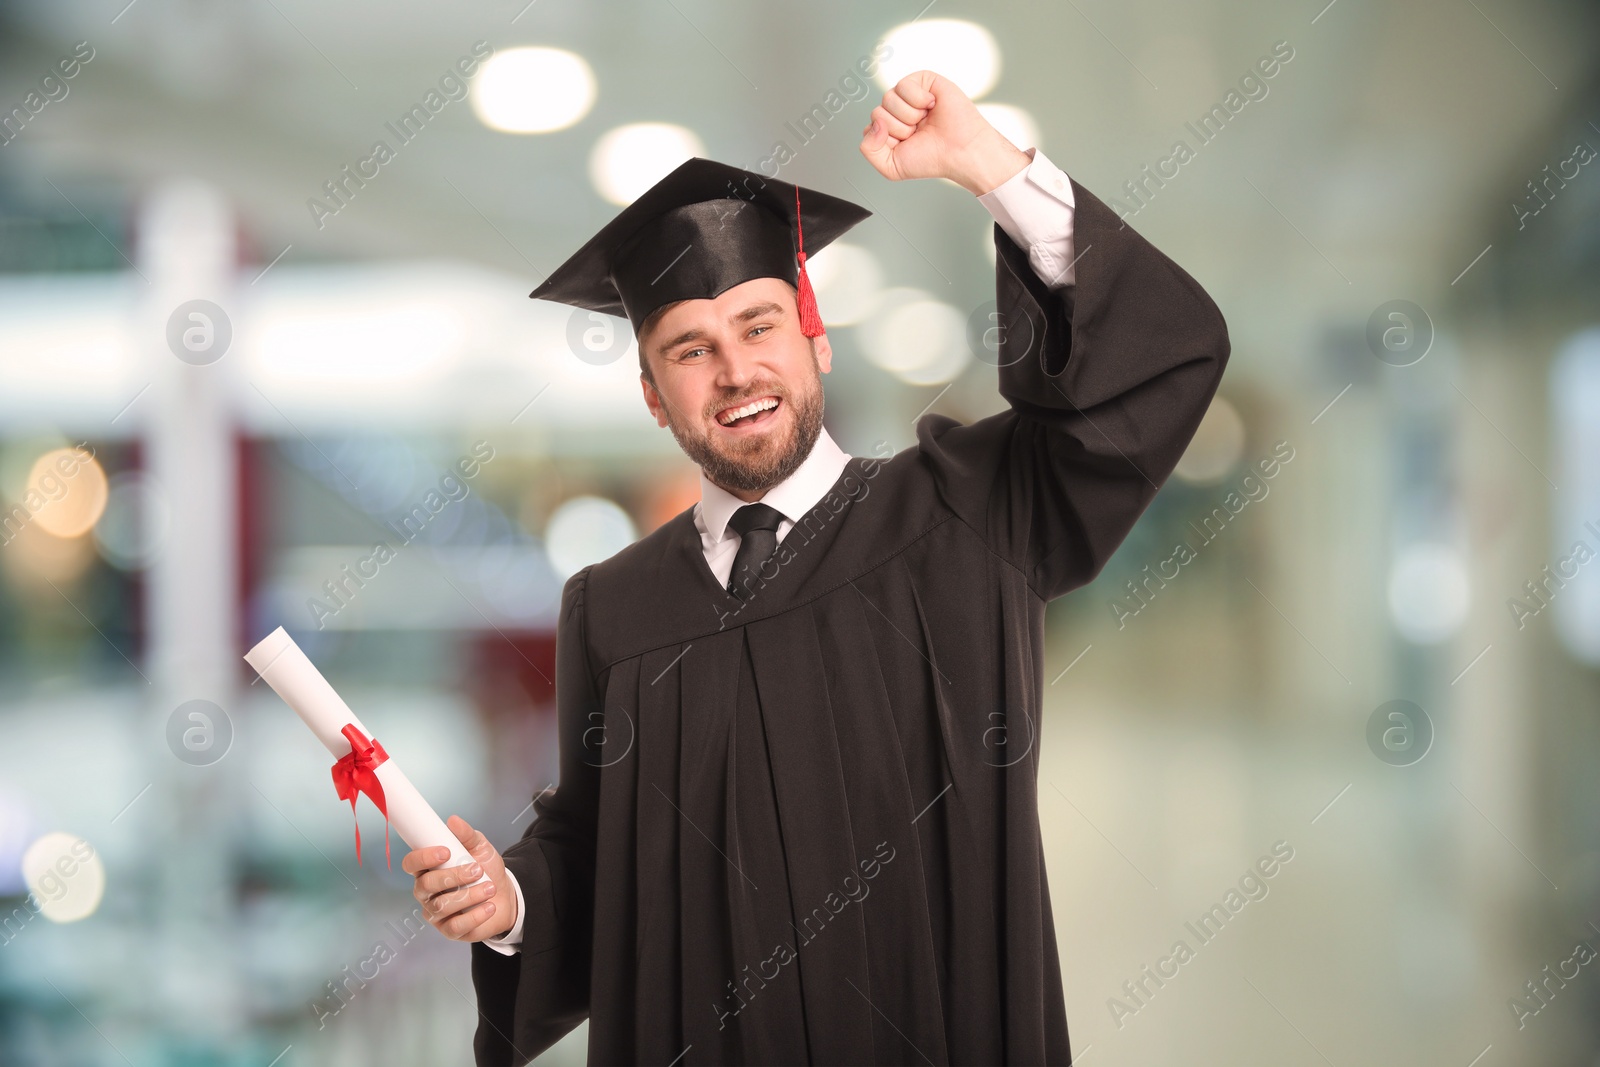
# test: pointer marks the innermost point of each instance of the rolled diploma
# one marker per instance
(296, 679)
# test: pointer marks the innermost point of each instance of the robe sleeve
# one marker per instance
(1107, 381)
(531, 999)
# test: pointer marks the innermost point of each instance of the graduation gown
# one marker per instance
(804, 828)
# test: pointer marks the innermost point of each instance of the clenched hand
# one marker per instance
(926, 127)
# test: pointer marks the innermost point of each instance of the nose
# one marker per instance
(735, 368)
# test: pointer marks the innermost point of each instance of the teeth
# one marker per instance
(751, 408)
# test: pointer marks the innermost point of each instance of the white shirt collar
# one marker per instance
(794, 496)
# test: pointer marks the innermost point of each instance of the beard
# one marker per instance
(758, 462)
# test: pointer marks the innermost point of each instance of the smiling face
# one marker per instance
(737, 383)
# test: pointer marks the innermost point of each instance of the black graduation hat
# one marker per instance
(700, 230)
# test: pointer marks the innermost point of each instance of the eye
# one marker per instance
(690, 354)
(759, 329)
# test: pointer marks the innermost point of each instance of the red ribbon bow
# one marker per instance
(357, 773)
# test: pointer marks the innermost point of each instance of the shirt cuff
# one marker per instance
(1035, 208)
(510, 942)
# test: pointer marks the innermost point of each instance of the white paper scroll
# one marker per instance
(285, 667)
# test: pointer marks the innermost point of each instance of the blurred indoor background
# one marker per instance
(1357, 633)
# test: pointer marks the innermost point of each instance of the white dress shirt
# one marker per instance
(1035, 209)
(793, 497)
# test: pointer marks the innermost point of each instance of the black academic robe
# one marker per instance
(804, 829)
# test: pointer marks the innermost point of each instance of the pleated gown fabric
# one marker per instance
(804, 828)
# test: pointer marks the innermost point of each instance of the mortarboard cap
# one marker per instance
(700, 230)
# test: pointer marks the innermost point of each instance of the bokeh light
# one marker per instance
(962, 51)
(848, 280)
(585, 530)
(33, 560)
(533, 90)
(1216, 445)
(1014, 123)
(920, 340)
(65, 875)
(134, 527)
(1429, 592)
(630, 159)
(71, 489)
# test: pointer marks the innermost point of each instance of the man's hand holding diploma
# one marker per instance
(470, 913)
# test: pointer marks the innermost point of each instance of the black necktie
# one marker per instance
(757, 526)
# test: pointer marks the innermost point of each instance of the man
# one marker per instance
(797, 813)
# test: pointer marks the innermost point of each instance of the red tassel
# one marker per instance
(810, 318)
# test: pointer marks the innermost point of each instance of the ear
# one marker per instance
(824, 353)
(652, 400)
